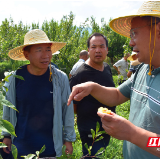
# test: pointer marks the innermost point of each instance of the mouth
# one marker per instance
(98, 56)
(45, 62)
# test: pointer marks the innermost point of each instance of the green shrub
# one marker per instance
(7, 66)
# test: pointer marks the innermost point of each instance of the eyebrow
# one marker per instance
(98, 45)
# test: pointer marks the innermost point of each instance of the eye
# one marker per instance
(132, 34)
(38, 50)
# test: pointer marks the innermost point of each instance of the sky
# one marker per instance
(34, 11)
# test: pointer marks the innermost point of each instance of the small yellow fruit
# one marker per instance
(104, 110)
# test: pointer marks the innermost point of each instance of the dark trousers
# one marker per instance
(95, 146)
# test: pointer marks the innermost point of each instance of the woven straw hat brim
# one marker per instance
(17, 53)
(122, 25)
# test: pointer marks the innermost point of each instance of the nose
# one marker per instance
(132, 43)
(45, 54)
(98, 49)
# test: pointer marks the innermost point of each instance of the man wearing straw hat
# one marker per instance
(142, 88)
(134, 64)
(41, 99)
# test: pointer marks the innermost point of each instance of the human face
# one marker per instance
(140, 40)
(39, 56)
(97, 50)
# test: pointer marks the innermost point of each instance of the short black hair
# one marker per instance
(96, 35)
(148, 19)
(27, 48)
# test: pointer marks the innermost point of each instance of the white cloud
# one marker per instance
(78, 3)
(29, 11)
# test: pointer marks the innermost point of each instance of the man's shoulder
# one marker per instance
(79, 73)
(119, 61)
(83, 68)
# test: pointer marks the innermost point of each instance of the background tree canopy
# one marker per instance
(12, 35)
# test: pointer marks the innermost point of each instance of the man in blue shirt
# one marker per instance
(142, 88)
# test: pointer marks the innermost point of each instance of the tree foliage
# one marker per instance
(12, 35)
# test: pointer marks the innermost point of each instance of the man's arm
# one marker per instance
(109, 96)
(116, 69)
(129, 74)
(122, 129)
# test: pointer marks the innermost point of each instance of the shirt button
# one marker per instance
(153, 76)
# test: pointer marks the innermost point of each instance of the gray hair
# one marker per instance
(83, 53)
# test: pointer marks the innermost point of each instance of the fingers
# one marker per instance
(106, 117)
(69, 151)
(8, 144)
(6, 150)
(72, 95)
(9, 147)
(77, 94)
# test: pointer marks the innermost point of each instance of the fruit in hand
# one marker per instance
(104, 110)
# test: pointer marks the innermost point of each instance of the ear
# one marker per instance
(107, 50)
(88, 51)
(26, 54)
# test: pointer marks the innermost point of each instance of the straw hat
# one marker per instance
(130, 58)
(32, 37)
(122, 25)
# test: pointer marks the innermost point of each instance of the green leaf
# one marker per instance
(1, 96)
(7, 127)
(9, 104)
(86, 145)
(14, 151)
(37, 153)
(6, 89)
(2, 145)
(20, 77)
(43, 149)
(29, 156)
(97, 127)
(63, 150)
(90, 147)
(98, 139)
(93, 133)
(100, 132)
(6, 78)
(100, 151)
